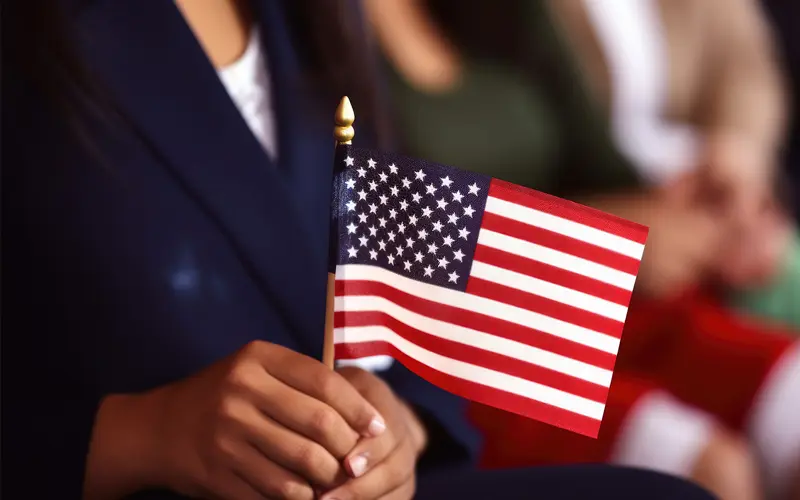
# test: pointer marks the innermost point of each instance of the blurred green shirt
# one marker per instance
(532, 124)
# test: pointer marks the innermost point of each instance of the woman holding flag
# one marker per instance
(166, 206)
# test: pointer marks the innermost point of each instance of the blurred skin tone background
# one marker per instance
(676, 114)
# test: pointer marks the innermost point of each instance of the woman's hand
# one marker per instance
(382, 467)
(266, 422)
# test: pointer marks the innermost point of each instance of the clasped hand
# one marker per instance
(382, 466)
(268, 422)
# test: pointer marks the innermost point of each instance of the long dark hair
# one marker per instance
(340, 59)
(38, 44)
(39, 51)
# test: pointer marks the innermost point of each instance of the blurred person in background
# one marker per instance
(166, 198)
(697, 391)
(695, 95)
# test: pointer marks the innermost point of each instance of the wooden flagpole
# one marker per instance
(343, 132)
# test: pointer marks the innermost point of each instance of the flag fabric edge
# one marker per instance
(470, 389)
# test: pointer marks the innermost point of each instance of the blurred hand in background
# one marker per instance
(685, 240)
(736, 180)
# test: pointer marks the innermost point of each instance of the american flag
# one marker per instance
(495, 292)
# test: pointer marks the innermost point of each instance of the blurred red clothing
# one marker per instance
(692, 347)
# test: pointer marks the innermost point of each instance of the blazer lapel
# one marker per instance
(145, 51)
(306, 152)
(306, 140)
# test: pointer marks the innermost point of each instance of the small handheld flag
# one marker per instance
(495, 292)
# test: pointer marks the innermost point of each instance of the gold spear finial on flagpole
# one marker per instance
(343, 132)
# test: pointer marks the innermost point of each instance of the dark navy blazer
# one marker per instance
(172, 248)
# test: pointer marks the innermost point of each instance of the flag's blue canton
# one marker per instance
(415, 218)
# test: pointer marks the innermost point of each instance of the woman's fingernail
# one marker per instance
(376, 427)
(358, 465)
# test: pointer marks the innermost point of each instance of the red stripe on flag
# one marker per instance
(568, 210)
(548, 307)
(475, 355)
(564, 244)
(471, 390)
(552, 274)
(480, 322)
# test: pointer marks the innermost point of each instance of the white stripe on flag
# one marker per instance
(368, 363)
(475, 373)
(556, 258)
(549, 290)
(474, 338)
(565, 227)
(481, 305)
